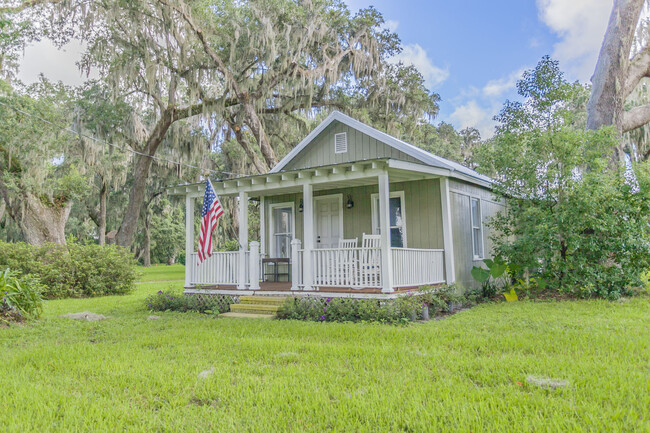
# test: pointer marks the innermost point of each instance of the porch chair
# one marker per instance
(346, 260)
(370, 260)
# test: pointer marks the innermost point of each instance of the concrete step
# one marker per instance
(255, 308)
(262, 300)
(235, 315)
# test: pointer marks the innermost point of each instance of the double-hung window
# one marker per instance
(477, 228)
(397, 220)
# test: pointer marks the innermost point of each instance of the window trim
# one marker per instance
(272, 207)
(481, 255)
(374, 201)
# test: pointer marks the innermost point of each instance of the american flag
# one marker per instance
(210, 213)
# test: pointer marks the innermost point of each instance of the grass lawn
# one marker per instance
(162, 273)
(466, 373)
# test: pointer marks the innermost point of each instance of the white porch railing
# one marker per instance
(221, 268)
(417, 267)
(346, 267)
(331, 267)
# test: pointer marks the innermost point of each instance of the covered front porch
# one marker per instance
(362, 229)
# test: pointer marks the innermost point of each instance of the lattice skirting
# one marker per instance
(215, 302)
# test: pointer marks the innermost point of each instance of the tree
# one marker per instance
(39, 178)
(167, 233)
(623, 63)
(571, 219)
(471, 141)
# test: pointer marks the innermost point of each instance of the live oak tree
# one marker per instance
(618, 83)
(39, 176)
(243, 64)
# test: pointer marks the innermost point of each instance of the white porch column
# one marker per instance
(296, 271)
(190, 265)
(384, 230)
(243, 239)
(254, 265)
(308, 234)
(262, 226)
(447, 236)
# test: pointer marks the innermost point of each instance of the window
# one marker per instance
(477, 228)
(397, 218)
(341, 142)
(282, 229)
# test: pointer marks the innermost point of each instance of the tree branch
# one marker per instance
(636, 117)
(638, 69)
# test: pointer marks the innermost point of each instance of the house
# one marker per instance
(350, 211)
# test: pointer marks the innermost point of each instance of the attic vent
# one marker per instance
(340, 143)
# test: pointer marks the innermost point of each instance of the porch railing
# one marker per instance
(346, 267)
(417, 267)
(221, 268)
(331, 267)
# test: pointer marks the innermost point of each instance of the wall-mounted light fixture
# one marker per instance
(300, 206)
(350, 203)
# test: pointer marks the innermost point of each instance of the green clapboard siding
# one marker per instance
(422, 211)
(462, 227)
(360, 147)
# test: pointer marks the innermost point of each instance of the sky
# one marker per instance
(470, 52)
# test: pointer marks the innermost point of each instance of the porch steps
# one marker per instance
(256, 307)
(234, 315)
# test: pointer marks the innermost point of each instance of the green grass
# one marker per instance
(162, 273)
(461, 374)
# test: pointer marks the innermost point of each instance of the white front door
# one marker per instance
(329, 221)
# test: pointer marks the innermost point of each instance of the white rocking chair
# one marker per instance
(346, 260)
(370, 260)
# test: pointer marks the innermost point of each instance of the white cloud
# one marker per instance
(391, 25)
(56, 64)
(580, 25)
(417, 56)
(496, 88)
(472, 114)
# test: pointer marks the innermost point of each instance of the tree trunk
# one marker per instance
(103, 193)
(255, 124)
(42, 223)
(126, 232)
(171, 260)
(607, 97)
(146, 253)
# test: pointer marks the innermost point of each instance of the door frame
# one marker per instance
(339, 196)
(273, 206)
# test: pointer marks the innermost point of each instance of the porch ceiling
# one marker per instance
(322, 178)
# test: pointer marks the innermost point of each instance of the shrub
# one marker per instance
(174, 301)
(443, 299)
(77, 270)
(20, 294)
(400, 310)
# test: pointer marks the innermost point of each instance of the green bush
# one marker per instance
(20, 294)
(174, 301)
(443, 299)
(78, 270)
(400, 310)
